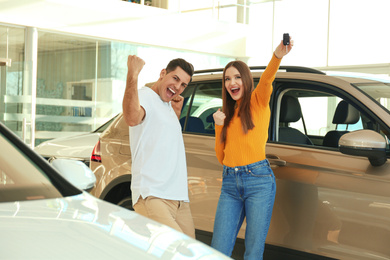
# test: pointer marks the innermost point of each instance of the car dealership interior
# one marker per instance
(63, 63)
(68, 158)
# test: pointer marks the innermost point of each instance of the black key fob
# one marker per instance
(286, 39)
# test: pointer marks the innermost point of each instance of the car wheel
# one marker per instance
(127, 203)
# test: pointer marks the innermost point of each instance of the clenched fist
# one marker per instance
(177, 104)
(219, 117)
(134, 66)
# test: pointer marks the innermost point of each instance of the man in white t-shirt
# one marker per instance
(159, 171)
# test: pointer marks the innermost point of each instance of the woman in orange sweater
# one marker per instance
(241, 132)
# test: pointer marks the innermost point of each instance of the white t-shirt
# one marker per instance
(159, 166)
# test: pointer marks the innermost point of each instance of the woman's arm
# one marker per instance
(219, 146)
(263, 90)
(219, 119)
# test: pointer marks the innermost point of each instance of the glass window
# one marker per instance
(15, 102)
(187, 95)
(206, 101)
(259, 39)
(229, 11)
(291, 17)
(75, 89)
(21, 179)
(223, 10)
(81, 81)
(368, 22)
(103, 127)
(322, 126)
(321, 121)
(379, 91)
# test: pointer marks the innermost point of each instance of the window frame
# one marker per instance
(281, 86)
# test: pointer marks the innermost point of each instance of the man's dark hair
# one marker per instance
(186, 66)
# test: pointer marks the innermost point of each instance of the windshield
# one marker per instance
(379, 91)
(20, 178)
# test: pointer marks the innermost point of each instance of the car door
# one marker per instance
(327, 203)
(201, 100)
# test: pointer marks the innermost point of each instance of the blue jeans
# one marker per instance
(247, 191)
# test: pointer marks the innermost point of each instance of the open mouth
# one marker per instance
(235, 90)
(170, 92)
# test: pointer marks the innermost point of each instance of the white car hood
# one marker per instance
(79, 146)
(83, 227)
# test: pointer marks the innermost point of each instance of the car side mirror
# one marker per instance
(367, 143)
(76, 172)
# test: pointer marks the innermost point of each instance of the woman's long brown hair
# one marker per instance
(229, 104)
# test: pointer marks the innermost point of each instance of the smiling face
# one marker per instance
(172, 84)
(233, 83)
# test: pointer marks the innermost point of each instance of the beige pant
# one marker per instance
(173, 213)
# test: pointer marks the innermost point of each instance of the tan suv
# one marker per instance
(328, 149)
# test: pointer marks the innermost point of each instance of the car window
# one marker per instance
(318, 117)
(320, 121)
(21, 179)
(187, 95)
(197, 115)
(378, 88)
(103, 127)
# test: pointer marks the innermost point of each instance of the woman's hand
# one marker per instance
(219, 117)
(283, 50)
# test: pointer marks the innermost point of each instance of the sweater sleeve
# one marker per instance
(263, 90)
(219, 147)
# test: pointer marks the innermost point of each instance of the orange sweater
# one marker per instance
(240, 148)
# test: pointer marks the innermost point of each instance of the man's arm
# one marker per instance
(133, 112)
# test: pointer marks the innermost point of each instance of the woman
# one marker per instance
(241, 132)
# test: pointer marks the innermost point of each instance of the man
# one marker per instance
(159, 171)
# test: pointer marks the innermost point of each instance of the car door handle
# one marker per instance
(275, 160)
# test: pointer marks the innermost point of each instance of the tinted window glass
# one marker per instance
(206, 101)
(21, 179)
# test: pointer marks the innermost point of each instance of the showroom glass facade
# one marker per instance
(15, 96)
(77, 82)
(326, 32)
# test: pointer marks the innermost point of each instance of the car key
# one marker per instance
(286, 40)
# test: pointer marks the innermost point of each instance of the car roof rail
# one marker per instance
(286, 68)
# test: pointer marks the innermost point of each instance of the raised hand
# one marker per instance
(133, 113)
(219, 117)
(282, 50)
(134, 66)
